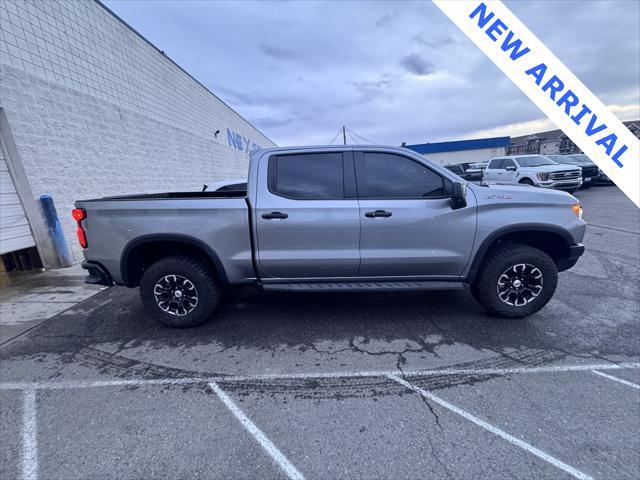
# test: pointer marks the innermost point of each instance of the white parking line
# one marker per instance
(487, 426)
(311, 376)
(29, 436)
(616, 379)
(282, 461)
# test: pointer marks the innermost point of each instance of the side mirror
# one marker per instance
(458, 195)
(510, 169)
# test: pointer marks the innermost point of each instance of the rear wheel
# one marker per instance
(515, 281)
(179, 291)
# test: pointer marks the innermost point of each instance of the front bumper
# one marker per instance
(603, 180)
(561, 184)
(98, 275)
(575, 252)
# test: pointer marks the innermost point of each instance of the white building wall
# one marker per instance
(94, 109)
(550, 148)
(465, 156)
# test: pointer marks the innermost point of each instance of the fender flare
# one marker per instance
(526, 227)
(169, 237)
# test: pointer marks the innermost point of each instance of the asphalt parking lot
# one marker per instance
(411, 385)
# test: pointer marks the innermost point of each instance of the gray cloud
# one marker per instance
(300, 70)
(415, 64)
(386, 19)
(279, 53)
(437, 42)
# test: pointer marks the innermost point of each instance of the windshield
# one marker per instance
(534, 161)
(562, 158)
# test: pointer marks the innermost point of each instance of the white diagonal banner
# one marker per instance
(552, 87)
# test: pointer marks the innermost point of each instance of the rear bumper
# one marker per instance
(575, 252)
(98, 275)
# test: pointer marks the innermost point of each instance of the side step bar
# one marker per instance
(362, 286)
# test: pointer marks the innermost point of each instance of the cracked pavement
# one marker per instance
(347, 426)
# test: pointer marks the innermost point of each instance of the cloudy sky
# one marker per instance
(392, 72)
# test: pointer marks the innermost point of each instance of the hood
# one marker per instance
(555, 168)
(518, 193)
(578, 163)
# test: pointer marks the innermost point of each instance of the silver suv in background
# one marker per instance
(536, 170)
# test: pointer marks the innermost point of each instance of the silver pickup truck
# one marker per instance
(328, 219)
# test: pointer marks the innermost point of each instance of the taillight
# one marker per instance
(80, 214)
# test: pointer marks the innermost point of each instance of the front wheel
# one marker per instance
(526, 181)
(179, 291)
(515, 281)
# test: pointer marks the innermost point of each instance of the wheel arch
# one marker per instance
(142, 251)
(553, 240)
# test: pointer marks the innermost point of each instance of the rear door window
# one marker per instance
(308, 176)
(495, 164)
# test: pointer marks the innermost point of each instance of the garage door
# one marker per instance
(15, 233)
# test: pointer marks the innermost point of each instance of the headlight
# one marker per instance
(542, 176)
(577, 209)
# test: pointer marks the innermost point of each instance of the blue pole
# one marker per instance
(55, 231)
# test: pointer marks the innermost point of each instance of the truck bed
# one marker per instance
(214, 221)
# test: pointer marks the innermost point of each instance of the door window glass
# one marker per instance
(393, 176)
(495, 164)
(508, 163)
(307, 176)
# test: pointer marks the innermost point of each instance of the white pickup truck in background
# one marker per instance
(536, 170)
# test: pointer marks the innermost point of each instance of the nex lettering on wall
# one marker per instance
(240, 142)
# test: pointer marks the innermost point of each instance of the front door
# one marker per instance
(307, 216)
(408, 228)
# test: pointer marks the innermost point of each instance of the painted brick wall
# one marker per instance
(96, 110)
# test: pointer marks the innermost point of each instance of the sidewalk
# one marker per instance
(28, 299)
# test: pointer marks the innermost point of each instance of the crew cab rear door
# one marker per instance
(494, 171)
(306, 214)
(408, 228)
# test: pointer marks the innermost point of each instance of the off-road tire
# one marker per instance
(496, 262)
(198, 273)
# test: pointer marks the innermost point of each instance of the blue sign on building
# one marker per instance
(240, 142)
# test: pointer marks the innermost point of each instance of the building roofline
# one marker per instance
(458, 145)
(161, 52)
